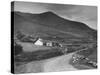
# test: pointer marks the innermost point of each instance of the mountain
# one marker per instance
(49, 23)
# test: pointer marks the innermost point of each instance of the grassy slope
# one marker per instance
(91, 54)
(31, 23)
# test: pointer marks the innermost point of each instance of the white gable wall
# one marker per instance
(39, 42)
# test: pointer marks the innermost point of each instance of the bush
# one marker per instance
(17, 49)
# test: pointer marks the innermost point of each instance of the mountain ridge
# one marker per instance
(52, 20)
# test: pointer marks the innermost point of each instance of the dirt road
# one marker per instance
(60, 63)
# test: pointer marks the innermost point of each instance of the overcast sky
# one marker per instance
(85, 14)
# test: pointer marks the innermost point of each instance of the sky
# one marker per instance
(81, 13)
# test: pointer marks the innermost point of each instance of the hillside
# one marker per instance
(50, 24)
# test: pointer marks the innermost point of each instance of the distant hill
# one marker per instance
(50, 24)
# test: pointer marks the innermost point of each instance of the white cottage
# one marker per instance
(39, 42)
(44, 42)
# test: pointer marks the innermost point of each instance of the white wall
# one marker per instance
(39, 42)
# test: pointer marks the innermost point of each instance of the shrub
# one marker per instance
(17, 49)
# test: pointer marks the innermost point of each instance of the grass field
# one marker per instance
(30, 47)
(90, 54)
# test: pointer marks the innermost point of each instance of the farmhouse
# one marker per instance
(39, 42)
(47, 42)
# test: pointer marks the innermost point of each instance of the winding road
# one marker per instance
(60, 63)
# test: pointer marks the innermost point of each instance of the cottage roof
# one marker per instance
(50, 39)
